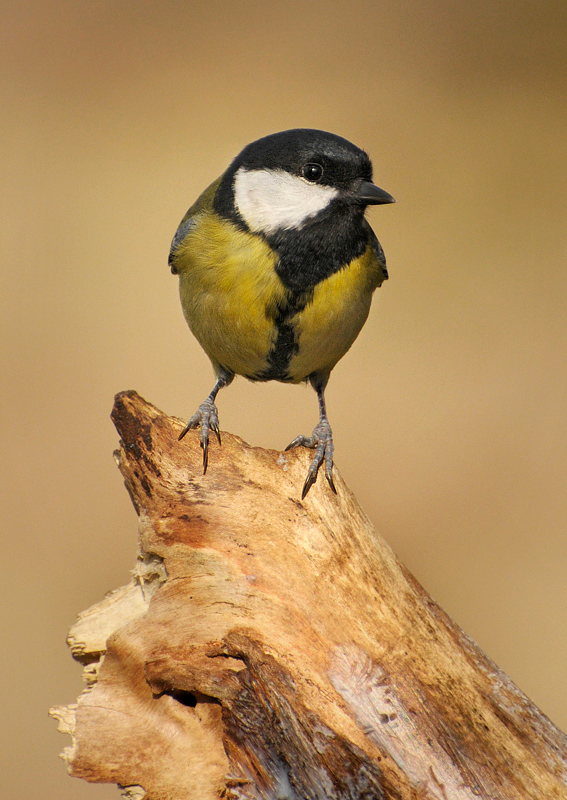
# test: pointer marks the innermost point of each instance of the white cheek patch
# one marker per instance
(269, 200)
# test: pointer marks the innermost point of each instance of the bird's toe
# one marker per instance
(322, 442)
(207, 418)
(301, 441)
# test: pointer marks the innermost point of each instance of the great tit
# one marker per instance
(277, 267)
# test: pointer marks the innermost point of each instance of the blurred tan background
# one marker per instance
(115, 116)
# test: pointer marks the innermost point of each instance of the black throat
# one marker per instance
(319, 249)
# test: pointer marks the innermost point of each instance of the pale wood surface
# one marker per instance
(273, 648)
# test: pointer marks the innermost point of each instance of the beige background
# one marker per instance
(449, 412)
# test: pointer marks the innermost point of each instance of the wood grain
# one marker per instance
(273, 648)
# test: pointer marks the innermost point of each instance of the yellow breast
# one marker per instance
(328, 326)
(229, 293)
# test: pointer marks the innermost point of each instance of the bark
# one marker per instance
(273, 648)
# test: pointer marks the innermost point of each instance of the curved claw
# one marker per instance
(329, 476)
(322, 442)
(301, 441)
(207, 417)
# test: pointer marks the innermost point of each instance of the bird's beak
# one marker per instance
(371, 194)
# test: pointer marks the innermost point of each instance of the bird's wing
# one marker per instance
(203, 203)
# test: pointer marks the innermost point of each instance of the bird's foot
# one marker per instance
(322, 442)
(207, 417)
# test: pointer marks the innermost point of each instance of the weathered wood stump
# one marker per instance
(272, 648)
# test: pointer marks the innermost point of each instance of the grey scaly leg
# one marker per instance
(321, 440)
(207, 415)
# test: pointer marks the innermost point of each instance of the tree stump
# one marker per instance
(273, 648)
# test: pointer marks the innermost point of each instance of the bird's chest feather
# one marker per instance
(328, 325)
(230, 293)
(248, 321)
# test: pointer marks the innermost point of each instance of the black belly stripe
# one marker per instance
(285, 347)
(286, 344)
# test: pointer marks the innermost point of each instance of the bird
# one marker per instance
(277, 266)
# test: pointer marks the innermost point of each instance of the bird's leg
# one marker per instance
(207, 415)
(321, 440)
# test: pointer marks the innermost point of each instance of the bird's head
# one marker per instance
(286, 180)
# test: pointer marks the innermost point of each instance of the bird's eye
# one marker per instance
(312, 172)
